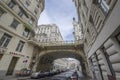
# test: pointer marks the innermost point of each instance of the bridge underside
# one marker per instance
(46, 53)
(46, 61)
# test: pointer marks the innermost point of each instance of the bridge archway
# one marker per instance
(47, 57)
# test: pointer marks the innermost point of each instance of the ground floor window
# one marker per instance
(1, 56)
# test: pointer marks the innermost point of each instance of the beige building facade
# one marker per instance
(48, 33)
(60, 64)
(78, 35)
(18, 19)
(100, 21)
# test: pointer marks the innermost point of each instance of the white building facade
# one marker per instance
(48, 33)
(78, 35)
(101, 29)
(18, 18)
(60, 64)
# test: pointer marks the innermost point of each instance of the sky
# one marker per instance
(61, 13)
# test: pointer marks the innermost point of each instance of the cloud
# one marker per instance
(44, 18)
(61, 13)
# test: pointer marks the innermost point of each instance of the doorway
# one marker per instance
(12, 66)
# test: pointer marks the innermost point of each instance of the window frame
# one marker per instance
(1, 11)
(31, 21)
(26, 4)
(11, 4)
(1, 55)
(117, 37)
(22, 12)
(14, 24)
(5, 39)
(26, 34)
(20, 46)
(35, 12)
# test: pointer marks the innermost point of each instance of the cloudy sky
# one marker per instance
(60, 12)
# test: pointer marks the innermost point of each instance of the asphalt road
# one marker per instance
(61, 76)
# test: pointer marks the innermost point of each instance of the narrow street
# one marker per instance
(62, 76)
(59, 39)
(67, 75)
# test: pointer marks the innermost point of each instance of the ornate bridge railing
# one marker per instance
(56, 43)
(61, 43)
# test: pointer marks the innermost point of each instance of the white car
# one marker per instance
(35, 75)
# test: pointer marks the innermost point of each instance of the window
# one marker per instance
(14, 24)
(104, 6)
(35, 11)
(118, 37)
(31, 21)
(38, 6)
(26, 32)
(1, 56)
(20, 46)
(11, 4)
(5, 40)
(85, 40)
(1, 11)
(91, 19)
(88, 31)
(27, 3)
(22, 12)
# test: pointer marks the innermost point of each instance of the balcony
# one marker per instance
(33, 41)
(2, 50)
(98, 17)
(100, 11)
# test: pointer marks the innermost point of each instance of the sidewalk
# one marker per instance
(14, 78)
(8, 78)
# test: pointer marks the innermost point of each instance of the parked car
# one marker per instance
(52, 73)
(23, 72)
(39, 74)
(74, 78)
(58, 78)
(35, 75)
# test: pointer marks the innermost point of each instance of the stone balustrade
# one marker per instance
(55, 43)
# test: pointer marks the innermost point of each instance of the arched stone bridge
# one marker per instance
(45, 53)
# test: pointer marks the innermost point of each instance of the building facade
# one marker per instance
(78, 35)
(60, 64)
(48, 33)
(74, 64)
(100, 23)
(18, 19)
